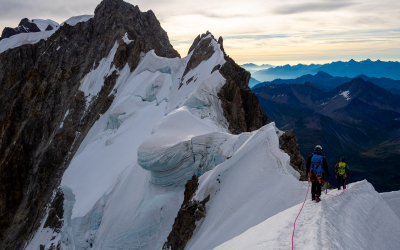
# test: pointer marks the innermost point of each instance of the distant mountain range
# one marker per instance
(251, 67)
(358, 120)
(326, 82)
(253, 82)
(350, 69)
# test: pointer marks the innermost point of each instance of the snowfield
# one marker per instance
(125, 185)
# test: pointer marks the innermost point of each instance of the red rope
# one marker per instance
(294, 227)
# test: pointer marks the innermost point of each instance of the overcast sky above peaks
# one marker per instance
(258, 31)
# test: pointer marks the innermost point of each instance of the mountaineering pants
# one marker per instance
(315, 189)
(339, 180)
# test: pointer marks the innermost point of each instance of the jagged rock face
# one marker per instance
(25, 26)
(202, 52)
(240, 105)
(56, 213)
(288, 143)
(185, 222)
(39, 83)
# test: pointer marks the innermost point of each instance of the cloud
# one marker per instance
(312, 7)
(256, 36)
(253, 29)
(221, 16)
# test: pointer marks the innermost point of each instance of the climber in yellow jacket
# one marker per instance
(342, 171)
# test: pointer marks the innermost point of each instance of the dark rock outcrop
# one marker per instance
(185, 223)
(49, 28)
(288, 143)
(38, 84)
(240, 105)
(202, 52)
(56, 213)
(25, 26)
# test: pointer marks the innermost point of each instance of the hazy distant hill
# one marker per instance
(350, 69)
(251, 67)
(357, 119)
(326, 82)
(253, 82)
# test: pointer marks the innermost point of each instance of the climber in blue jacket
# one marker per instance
(317, 168)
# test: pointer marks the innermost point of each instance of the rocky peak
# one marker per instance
(239, 103)
(116, 17)
(202, 51)
(28, 26)
(25, 26)
(322, 75)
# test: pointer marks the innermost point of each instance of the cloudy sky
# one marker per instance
(258, 31)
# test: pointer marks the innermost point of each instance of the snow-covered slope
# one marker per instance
(77, 19)
(256, 183)
(42, 24)
(393, 200)
(358, 219)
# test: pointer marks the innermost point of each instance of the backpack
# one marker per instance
(341, 168)
(316, 165)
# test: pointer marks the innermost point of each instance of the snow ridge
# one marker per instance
(359, 219)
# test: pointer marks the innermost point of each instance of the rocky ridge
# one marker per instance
(185, 222)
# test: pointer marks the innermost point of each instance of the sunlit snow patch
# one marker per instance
(346, 94)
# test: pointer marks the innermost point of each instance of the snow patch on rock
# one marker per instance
(346, 94)
(126, 39)
(77, 19)
(92, 83)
